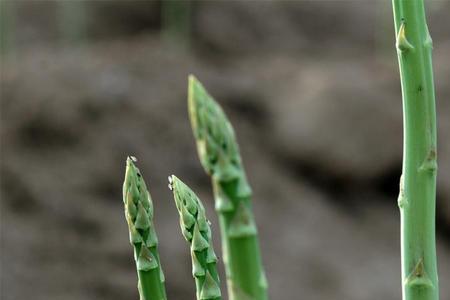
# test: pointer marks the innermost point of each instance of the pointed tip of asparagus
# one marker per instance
(192, 79)
(131, 169)
(196, 230)
(195, 88)
(142, 234)
(182, 194)
(170, 179)
(135, 194)
(131, 158)
(198, 98)
(216, 141)
(177, 186)
(189, 206)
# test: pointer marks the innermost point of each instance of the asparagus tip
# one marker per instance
(216, 141)
(196, 230)
(171, 181)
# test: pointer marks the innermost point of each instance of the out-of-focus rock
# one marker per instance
(240, 27)
(342, 117)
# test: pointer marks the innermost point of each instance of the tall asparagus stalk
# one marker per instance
(139, 216)
(196, 230)
(417, 199)
(220, 157)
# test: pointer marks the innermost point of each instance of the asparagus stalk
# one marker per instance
(196, 230)
(220, 157)
(417, 199)
(139, 216)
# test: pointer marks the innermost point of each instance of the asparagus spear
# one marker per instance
(220, 157)
(139, 216)
(417, 199)
(196, 230)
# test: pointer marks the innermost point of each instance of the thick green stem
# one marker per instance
(139, 216)
(219, 155)
(151, 283)
(240, 242)
(196, 230)
(417, 199)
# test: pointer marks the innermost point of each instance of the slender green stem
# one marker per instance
(220, 157)
(176, 22)
(196, 230)
(417, 199)
(139, 216)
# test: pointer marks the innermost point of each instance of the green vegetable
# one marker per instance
(139, 216)
(196, 230)
(220, 157)
(417, 199)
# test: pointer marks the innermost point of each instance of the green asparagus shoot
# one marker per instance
(219, 154)
(139, 216)
(417, 198)
(196, 230)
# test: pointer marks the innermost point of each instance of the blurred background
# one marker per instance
(312, 89)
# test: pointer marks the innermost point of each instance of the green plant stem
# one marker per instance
(196, 230)
(220, 157)
(417, 199)
(176, 22)
(243, 257)
(139, 216)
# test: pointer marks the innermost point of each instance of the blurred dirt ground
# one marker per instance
(313, 92)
